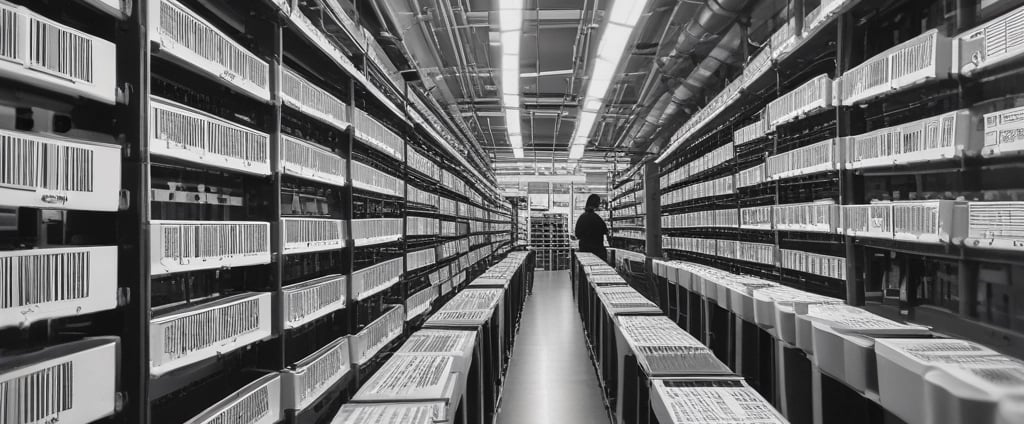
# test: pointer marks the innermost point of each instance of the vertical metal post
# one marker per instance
(133, 231)
(845, 59)
(652, 194)
(275, 44)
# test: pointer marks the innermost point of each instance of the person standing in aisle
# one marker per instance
(591, 229)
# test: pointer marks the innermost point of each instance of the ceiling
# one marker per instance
(455, 46)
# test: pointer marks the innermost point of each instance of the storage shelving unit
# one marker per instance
(549, 237)
(862, 157)
(281, 202)
(628, 212)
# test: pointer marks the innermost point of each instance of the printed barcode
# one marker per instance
(36, 396)
(38, 164)
(248, 410)
(197, 331)
(61, 51)
(28, 280)
(201, 38)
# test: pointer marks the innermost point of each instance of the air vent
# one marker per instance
(993, 43)
(60, 383)
(995, 225)
(303, 159)
(44, 53)
(314, 101)
(420, 302)
(376, 135)
(42, 284)
(371, 179)
(178, 246)
(45, 171)
(305, 302)
(760, 253)
(874, 220)
(818, 217)
(816, 158)
(928, 221)
(811, 97)
(193, 42)
(377, 334)
(188, 134)
(205, 331)
(811, 263)
(371, 280)
(367, 232)
(258, 402)
(421, 258)
(756, 218)
(304, 383)
(305, 235)
(942, 137)
(1004, 132)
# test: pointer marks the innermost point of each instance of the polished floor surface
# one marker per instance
(550, 378)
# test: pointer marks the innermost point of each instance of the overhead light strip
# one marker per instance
(510, 25)
(617, 32)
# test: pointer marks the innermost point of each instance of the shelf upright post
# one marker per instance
(652, 194)
(346, 200)
(967, 271)
(274, 40)
(845, 59)
(133, 231)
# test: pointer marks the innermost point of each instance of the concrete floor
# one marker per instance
(550, 378)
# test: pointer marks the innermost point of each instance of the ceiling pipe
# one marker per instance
(714, 17)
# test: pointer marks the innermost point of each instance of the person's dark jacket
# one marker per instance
(590, 230)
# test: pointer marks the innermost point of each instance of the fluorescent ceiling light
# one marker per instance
(510, 23)
(624, 15)
(516, 141)
(576, 152)
(627, 12)
(510, 41)
(512, 122)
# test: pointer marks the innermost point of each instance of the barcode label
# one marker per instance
(34, 397)
(185, 29)
(214, 240)
(34, 163)
(10, 42)
(250, 409)
(204, 329)
(29, 280)
(60, 51)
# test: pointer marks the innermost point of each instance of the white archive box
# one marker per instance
(841, 337)
(903, 365)
(985, 394)
(417, 378)
(390, 413)
(70, 382)
(710, 401)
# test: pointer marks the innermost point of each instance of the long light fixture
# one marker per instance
(621, 20)
(510, 25)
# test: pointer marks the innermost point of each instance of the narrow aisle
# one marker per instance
(550, 378)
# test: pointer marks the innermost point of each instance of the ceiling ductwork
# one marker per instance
(681, 80)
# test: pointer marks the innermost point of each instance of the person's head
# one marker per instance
(593, 202)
